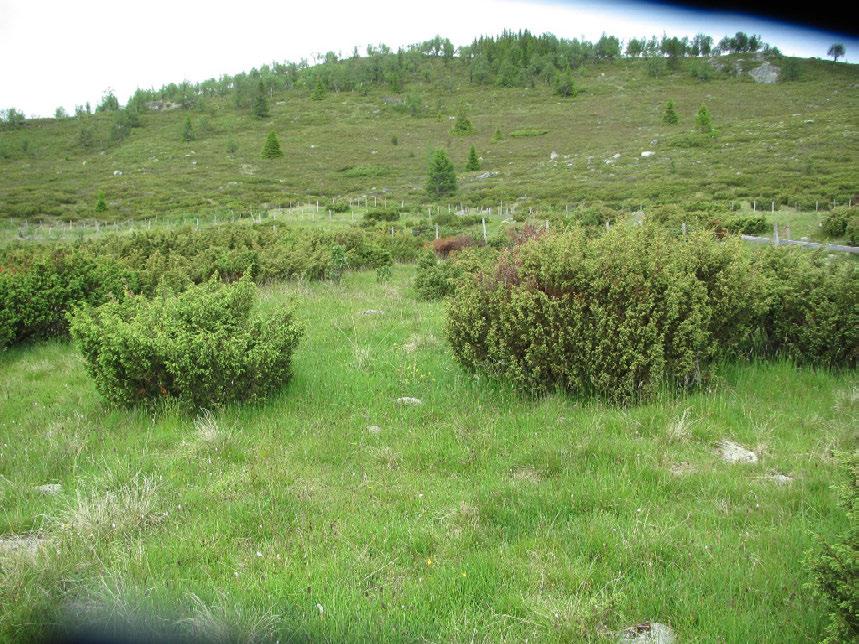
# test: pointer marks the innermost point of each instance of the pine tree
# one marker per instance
(703, 121)
(271, 149)
(670, 117)
(187, 130)
(442, 178)
(260, 106)
(101, 204)
(473, 161)
(497, 136)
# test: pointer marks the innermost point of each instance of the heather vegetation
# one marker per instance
(444, 343)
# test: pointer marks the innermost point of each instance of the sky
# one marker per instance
(66, 53)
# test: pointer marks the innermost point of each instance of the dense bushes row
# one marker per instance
(38, 285)
(621, 314)
(204, 346)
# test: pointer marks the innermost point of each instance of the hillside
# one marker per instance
(795, 142)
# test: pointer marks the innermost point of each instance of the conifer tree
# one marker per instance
(473, 162)
(319, 91)
(260, 106)
(101, 204)
(271, 149)
(187, 130)
(442, 178)
(670, 117)
(462, 125)
(497, 136)
(703, 121)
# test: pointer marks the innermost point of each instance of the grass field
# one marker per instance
(477, 515)
(795, 142)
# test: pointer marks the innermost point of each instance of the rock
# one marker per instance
(765, 73)
(162, 106)
(648, 633)
(27, 545)
(648, 153)
(735, 453)
(408, 400)
(553, 156)
(372, 312)
(374, 429)
(49, 488)
(781, 479)
(117, 173)
(486, 175)
(393, 100)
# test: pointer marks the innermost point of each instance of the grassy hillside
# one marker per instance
(332, 512)
(796, 142)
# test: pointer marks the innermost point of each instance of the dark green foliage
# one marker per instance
(669, 117)
(187, 130)
(620, 315)
(86, 138)
(395, 140)
(852, 231)
(109, 103)
(35, 295)
(260, 104)
(232, 146)
(206, 346)
(100, 204)
(564, 84)
(834, 563)
(442, 178)
(462, 125)
(377, 215)
(790, 70)
(271, 149)
(473, 162)
(834, 225)
(745, 224)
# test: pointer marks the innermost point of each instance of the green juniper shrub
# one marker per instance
(834, 225)
(433, 277)
(743, 224)
(852, 230)
(636, 308)
(834, 563)
(35, 297)
(339, 205)
(377, 215)
(462, 125)
(206, 346)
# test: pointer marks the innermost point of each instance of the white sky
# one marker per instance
(65, 53)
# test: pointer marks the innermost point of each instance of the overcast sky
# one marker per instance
(67, 53)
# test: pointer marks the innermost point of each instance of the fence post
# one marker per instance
(773, 206)
(483, 221)
(683, 228)
(816, 204)
(754, 206)
(436, 231)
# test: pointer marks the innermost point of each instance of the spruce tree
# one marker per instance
(187, 130)
(670, 117)
(462, 125)
(260, 106)
(101, 204)
(318, 91)
(271, 149)
(473, 162)
(703, 121)
(442, 178)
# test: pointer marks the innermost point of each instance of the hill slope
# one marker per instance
(795, 142)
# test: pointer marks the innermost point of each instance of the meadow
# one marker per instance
(384, 493)
(331, 511)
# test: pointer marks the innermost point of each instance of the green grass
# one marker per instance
(794, 141)
(478, 514)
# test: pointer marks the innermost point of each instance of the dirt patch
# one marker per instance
(732, 452)
(648, 633)
(527, 475)
(21, 545)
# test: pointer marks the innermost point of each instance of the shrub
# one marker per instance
(669, 117)
(462, 125)
(382, 214)
(433, 278)
(337, 263)
(834, 225)
(834, 564)
(703, 120)
(619, 315)
(852, 231)
(34, 298)
(444, 246)
(744, 224)
(206, 346)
